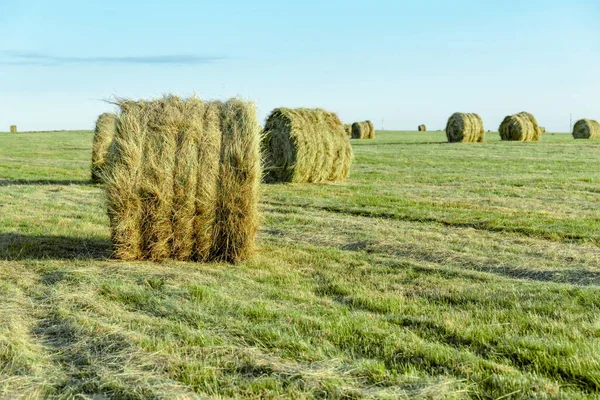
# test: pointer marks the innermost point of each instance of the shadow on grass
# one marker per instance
(43, 182)
(17, 246)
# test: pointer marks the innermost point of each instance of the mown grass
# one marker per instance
(436, 271)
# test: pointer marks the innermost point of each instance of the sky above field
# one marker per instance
(398, 63)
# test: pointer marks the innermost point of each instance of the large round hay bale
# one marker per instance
(422, 128)
(305, 145)
(182, 180)
(586, 129)
(103, 137)
(521, 127)
(465, 127)
(13, 129)
(371, 129)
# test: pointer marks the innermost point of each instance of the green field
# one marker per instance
(437, 271)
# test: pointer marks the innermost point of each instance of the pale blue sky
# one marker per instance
(404, 62)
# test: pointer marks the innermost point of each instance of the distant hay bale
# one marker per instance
(586, 129)
(182, 180)
(363, 130)
(422, 128)
(465, 128)
(103, 137)
(542, 130)
(13, 129)
(305, 145)
(348, 129)
(521, 127)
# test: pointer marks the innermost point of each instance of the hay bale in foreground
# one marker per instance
(363, 130)
(182, 180)
(465, 128)
(586, 129)
(13, 129)
(521, 127)
(103, 137)
(305, 145)
(422, 128)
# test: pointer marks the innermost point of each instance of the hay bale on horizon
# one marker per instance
(363, 130)
(13, 129)
(542, 130)
(422, 128)
(104, 133)
(586, 129)
(174, 177)
(521, 127)
(465, 128)
(305, 145)
(348, 129)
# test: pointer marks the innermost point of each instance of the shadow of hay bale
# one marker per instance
(18, 246)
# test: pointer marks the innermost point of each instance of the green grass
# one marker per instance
(437, 271)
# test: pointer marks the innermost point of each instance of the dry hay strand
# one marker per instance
(586, 129)
(422, 128)
(103, 137)
(521, 127)
(209, 155)
(305, 145)
(465, 128)
(182, 180)
(237, 215)
(13, 129)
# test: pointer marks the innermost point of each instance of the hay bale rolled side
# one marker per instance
(182, 180)
(371, 129)
(586, 129)
(542, 130)
(104, 133)
(237, 215)
(422, 128)
(304, 145)
(13, 129)
(465, 128)
(521, 127)
(361, 130)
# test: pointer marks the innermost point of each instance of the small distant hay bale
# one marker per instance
(103, 137)
(521, 127)
(182, 180)
(586, 129)
(422, 128)
(305, 145)
(13, 129)
(348, 129)
(465, 128)
(363, 130)
(542, 130)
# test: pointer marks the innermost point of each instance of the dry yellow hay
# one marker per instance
(422, 128)
(465, 127)
(521, 127)
(103, 137)
(362, 130)
(586, 129)
(348, 129)
(305, 145)
(13, 129)
(182, 180)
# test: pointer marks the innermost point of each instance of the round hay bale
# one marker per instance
(13, 129)
(182, 180)
(362, 130)
(371, 129)
(422, 128)
(305, 145)
(542, 130)
(586, 129)
(348, 129)
(103, 137)
(465, 128)
(521, 127)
